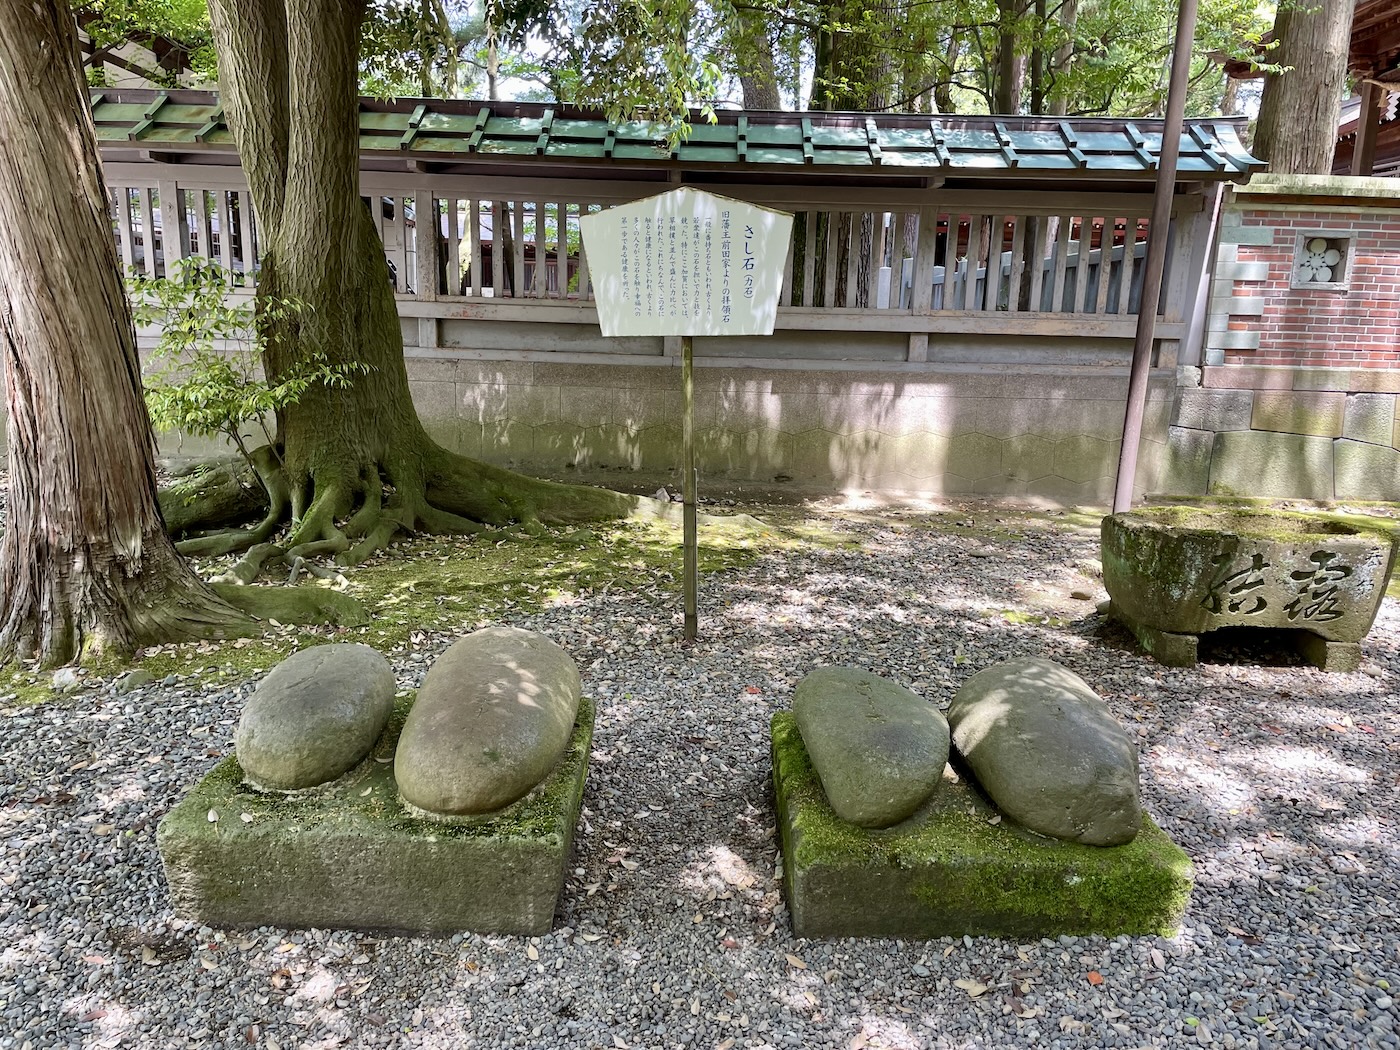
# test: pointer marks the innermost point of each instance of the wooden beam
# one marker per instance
(1368, 129)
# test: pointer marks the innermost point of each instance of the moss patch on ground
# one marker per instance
(950, 870)
(436, 585)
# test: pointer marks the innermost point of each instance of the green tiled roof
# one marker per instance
(434, 129)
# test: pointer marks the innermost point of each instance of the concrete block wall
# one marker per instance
(1280, 432)
(1052, 434)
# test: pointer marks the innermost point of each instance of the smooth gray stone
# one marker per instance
(878, 749)
(315, 716)
(492, 718)
(1046, 749)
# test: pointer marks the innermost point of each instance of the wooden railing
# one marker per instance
(1007, 263)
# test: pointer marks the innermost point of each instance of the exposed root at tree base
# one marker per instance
(353, 513)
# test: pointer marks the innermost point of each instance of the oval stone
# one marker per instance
(1046, 749)
(878, 749)
(493, 717)
(315, 716)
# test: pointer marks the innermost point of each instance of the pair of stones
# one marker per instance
(491, 720)
(1043, 747)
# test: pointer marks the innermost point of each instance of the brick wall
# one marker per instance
(1358, 327)
(1299, 396)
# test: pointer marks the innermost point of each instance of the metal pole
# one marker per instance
(689, 537)
(1156, 256)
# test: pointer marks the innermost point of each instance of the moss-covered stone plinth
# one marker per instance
(1175, 573)
(949, 871)
(349, 856)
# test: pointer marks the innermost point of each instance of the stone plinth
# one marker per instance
(949, 870)
(349, 856)
(1175, 573)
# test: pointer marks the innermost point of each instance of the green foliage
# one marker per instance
(207, 389)
(634, 59)
(184, 23)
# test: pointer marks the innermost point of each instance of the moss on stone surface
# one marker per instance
(1253, 522)
(349, 855)
(949, 870)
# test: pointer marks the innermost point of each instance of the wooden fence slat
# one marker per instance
(221, 199)
(1057, 292)
(1125, 277)
(809, 259)
(925, 260)
(561, 250)
(786, 298)
(426, 224)
(517, 209)
(855, 234)
(1042, 231)
(541, 274)
(499, 216)
(148, 232)
(1105, 264)
(248, 228)
(584, 291)
(452, 215)
(124, 233)
(829, 261)
(996, 237)
(1018, 263)
(968, 299)
(876, 260)
(949, 257)
(473, 231)
(201, 214)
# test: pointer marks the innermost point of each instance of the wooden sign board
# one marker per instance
(686, 262)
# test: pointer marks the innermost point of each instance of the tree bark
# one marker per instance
(85, 564)
(752, 47)
(1011, 64)
(358, 465)
(1064, 56)
(1300, 108)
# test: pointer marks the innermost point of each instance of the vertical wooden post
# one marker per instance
(689, 484)
(1156, 257)
(1368, 129)
(174, 225)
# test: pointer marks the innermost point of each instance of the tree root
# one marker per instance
(355, 513)
(300, 605)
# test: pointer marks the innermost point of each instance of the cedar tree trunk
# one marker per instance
(1300, 108)
(358, 465)
(86, 564)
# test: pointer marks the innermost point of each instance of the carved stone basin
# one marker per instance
(1175, 573)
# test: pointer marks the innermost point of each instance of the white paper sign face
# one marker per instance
(686, 262)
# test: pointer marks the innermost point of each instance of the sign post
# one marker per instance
(687, 263)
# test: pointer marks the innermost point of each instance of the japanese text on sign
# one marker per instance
(687, 262)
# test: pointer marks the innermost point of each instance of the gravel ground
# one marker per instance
(1280, 781)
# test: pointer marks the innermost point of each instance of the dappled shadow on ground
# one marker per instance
(1279, 780)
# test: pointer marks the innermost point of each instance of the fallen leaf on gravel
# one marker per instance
(726, 1045)
(619, 1042)
(752, 689)
(532, 953)
(96, 960)
(208, 963)
(95, 1014)
(247, 818)
(1158, 959)
(1095, 978)
(213, 816)
(730, 942)
(971, 987)
(631, 865)
(795, 962)
(102, 829)
(591, 937)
